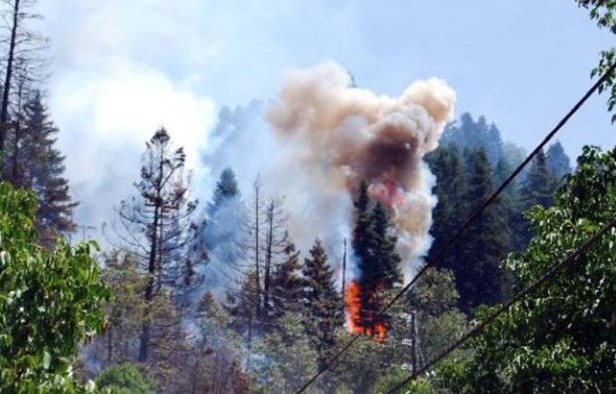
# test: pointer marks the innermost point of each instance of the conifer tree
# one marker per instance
(479, 277)
(537, 189)
(42, 171)
(557, 161)
(287, 284)
(448, 167)
(377, 259)
(218, 247)
(159, 224)
(322, 304)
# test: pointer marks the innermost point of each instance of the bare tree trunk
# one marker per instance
(416, 359)
(344, 259)
(4, 111)
(16, 177)
(268, 255)
(257, 190)
(149, 289)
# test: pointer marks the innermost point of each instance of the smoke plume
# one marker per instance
(333, 135)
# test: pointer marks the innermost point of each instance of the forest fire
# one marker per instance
(336, 139)
(356, 323)
(387, 192)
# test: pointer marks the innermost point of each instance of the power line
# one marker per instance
(549, 276)
(476, 213)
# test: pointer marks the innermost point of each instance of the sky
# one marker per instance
(121, 69)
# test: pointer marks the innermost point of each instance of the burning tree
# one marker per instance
(379, 265)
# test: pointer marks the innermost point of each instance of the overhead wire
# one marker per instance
(471, 219)
(549, 276)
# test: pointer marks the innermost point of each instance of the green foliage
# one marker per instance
(124, 379)
(604, 13)
(479, 277)
(32, 162)
(434, 298)
(322, 304)
(537, 189)
(562, 338)
(289, 359)
(51, 301)
(469, 134)
(392, 379)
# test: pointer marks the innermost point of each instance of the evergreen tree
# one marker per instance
(557, 161)
(226, 189)
(361, 232)
(448, 167)
(287, 284)
(468, 134)
(537, 189)
(41, 169)
(378, 262)
(478, 276)
(218, 247)
(159, 225)
(384, 266)
(322, 304)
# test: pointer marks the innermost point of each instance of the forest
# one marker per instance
(390, 247)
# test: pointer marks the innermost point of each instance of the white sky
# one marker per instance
(122, 68)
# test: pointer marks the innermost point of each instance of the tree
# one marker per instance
(21, 45)
(226, 188)
(560, 338)
(124, 379)
(537, 189)
(433, 299)
(452, 207)
(468, 134)
(266, 241)
(158, 223)
(219, 255)
(557, 161)
(378, 263)
(322, 304)
(289, 359)
(479, 278)
(274, 247)
(44, 172)
(287, 284)
(52, 301)
(604, 13)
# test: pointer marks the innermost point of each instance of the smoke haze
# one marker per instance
(333, 135)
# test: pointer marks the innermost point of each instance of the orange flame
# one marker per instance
(353, 306)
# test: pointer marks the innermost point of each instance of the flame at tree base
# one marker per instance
(356, 321)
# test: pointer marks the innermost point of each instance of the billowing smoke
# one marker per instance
(334, 135)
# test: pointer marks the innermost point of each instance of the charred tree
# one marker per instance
(23, 48)
(157, 224)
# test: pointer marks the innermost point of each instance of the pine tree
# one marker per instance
(468, 134)
(537, 189)
(448, 167)
(42, 170)
(287, 284)
(557, 161)
(362, 222)
(159, 225)
(218, 247)
(226, 189)
(479, 277)
(378, 262)
(322, 304)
